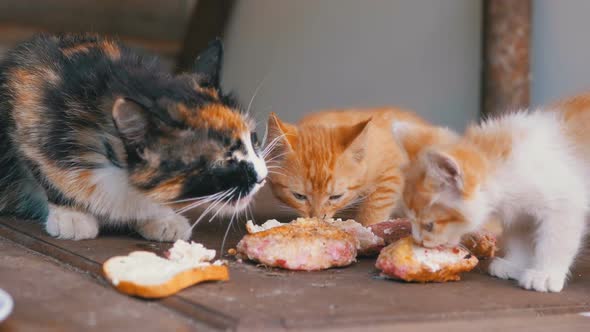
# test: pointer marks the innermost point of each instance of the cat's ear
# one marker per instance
(208, 64)
(354, 139)
(414, 138)
(281, 134)
(445, 169)
(130, 118)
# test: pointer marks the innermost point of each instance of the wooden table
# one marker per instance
(58, 286)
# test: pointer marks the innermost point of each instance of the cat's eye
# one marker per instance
(254, 138)
(299, 196)
(429, 227)
(336, 197)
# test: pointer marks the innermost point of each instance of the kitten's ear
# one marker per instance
(130, 118)
(208, 64)
(285, 135)
(414, 138)
(445, 169)
(354, 139)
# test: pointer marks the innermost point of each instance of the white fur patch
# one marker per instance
(115, 199)
(66, 223)
(543, 178)
(172, 228)
(252, 157)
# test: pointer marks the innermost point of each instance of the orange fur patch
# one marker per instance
(351, 150)
(80, 48)
(495, 145)
(214, 116)
(473, 166)
(168, 190)
(111, 50)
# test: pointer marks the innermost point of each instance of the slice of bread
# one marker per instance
(145, 274)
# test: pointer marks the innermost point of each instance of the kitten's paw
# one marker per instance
(503, 269)
(66, 223)
(167, 229)
(542, 281)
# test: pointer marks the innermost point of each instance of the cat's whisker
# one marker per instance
(199, 203)
(209, 209)
(255, 94)
(227, 199)
(193, 204)
(229, 225)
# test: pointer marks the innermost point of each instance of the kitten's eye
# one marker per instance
(428, 227)
(254, 138)
(299, 196)
(336, 197)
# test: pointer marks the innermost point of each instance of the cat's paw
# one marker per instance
(66, 223)
(166, 229)
(503, 269)
(542, 281)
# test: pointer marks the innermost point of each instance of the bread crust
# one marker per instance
(180, 281)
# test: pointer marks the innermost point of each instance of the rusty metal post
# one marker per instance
(506, 56)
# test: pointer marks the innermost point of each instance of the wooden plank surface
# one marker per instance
(257, 298)
(49, 296)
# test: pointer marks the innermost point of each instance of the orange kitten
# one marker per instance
(335, 160)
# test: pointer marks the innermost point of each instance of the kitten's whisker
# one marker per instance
(275, 141)
(275, 157)
(278, 173)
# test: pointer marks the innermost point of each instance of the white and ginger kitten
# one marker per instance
(531, 170)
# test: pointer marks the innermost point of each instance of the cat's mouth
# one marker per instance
(240, 202)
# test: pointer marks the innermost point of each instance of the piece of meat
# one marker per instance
(369, 243)
(392, 230)
(409, 262)
(304, 244)
(482, 244)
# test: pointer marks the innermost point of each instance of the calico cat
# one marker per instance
(530, 170)
(334, 160)
(93, 133)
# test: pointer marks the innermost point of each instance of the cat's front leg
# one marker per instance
(71, 224)
(518, 253)
(170, 228)
(558, 239)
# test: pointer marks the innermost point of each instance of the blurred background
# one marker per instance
(449, 60)
(304, 55)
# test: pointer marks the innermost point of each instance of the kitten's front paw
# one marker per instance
(503, 269)
(542, 281)
(66, 223)
(167, 229)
